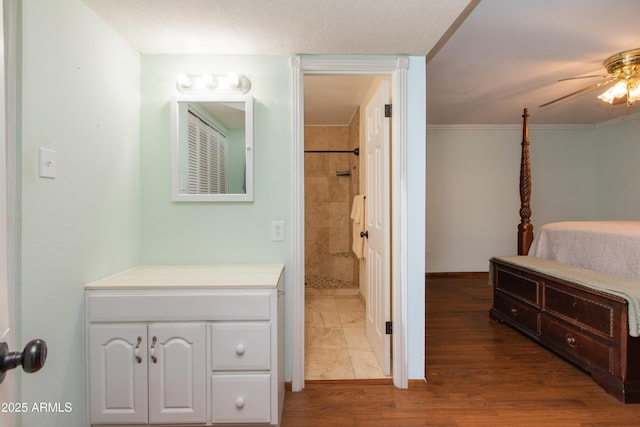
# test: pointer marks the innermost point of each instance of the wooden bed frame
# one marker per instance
(585, 326)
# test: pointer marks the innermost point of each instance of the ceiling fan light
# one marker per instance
(634, 91)
(619, 90)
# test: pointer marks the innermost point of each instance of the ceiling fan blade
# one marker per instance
(584, 89)
(602, 76)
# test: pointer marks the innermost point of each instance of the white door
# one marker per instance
(177, 373)
(378, 307)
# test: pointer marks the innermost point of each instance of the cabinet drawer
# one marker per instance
(574, 344)
(240, 346)
(518, 286)
(517, 312)
(241, 399)
(159, 306)
(585, 309)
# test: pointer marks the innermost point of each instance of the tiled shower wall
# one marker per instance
(329, 260)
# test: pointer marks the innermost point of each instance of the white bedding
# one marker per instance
(611, 247)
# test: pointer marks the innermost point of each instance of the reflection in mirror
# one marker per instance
(212, 148)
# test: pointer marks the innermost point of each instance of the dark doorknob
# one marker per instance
(364, 234)
(31, 359)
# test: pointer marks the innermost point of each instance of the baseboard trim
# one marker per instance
(462, 274)
(347, 382)
(412, 384)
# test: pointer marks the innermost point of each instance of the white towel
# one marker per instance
(358, 217)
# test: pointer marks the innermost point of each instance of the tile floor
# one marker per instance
(336, 345)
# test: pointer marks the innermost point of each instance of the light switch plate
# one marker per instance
(48, 166)
(277, 231)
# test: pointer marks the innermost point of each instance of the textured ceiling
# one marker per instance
(482, 70)
(280, 26)
(287, 27)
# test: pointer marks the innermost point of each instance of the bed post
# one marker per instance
(525, 228)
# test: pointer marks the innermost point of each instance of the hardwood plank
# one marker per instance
(479, 373)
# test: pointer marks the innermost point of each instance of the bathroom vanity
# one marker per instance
(197, 345)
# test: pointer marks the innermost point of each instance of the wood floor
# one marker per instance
(479, 373)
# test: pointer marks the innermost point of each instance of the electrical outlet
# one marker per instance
(277, 231)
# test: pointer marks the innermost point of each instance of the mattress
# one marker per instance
(611, 247)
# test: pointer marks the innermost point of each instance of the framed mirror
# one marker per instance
(212, 148)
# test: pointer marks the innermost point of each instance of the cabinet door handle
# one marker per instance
(136, 351)
(152, 350)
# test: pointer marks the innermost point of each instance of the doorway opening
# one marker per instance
(394, 68)
(342, 304)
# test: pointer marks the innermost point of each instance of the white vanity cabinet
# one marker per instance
(186, 345)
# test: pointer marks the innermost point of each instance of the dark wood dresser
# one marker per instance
(586, 326)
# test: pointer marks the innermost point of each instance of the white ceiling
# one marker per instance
(506, 54)
(509, 54)
(287, 27)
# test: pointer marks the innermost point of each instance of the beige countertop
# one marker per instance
(193, 277)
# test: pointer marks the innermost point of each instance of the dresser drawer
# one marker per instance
(518, 285)
(241, 346)
(571, 343)
(583, 309)
(241, 399)
(517, 312)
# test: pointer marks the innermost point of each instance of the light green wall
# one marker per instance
(220, 232)
(105, 110)
(80, 96)
(473, 185)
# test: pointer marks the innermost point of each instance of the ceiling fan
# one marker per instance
(622, 68)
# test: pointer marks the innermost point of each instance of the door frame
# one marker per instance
(396, 67)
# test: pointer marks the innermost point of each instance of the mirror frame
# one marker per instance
(176, 195)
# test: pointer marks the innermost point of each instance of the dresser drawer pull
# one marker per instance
(570, 340)
(240, 349)
(240, 402)
(136, 352)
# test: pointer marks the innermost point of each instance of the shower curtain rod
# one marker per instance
(355, 151)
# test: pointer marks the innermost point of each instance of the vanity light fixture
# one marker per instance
(183, 80)
(228, 84)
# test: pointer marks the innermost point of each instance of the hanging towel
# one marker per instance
(358, 217)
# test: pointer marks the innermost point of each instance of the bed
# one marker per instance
(583, 305)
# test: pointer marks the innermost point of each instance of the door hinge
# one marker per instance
(387, 110)
(388, 328)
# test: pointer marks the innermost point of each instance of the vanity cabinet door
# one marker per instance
(177, 373)
(118, 373)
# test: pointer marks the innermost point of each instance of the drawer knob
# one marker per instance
(571, 340)
(240, 349)
(240, 402)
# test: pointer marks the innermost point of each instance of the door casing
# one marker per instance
(396, 67)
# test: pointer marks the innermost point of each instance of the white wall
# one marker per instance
(80, 96)
(473, 186)
(618, 157)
